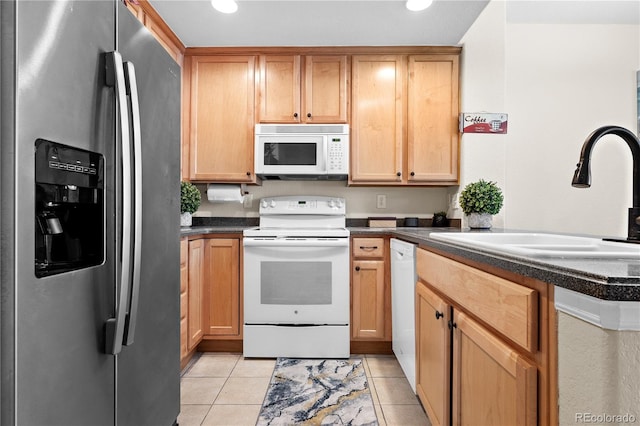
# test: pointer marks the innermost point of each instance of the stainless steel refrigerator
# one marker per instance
(89, 243)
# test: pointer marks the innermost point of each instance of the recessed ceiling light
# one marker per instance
(224, 6)
(418, 5)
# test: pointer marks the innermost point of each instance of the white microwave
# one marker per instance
(302, 151)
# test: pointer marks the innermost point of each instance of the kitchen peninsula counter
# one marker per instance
(606, 279)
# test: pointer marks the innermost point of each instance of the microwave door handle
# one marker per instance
(114, 330)
(325, 154)
(134, 291)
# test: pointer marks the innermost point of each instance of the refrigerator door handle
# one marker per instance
(134, 292)
(114, 330)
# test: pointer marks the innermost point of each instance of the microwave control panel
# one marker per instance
(338, 154)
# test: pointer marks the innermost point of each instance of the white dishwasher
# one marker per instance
(403, 287)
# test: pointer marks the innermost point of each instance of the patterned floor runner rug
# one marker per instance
(318, 392)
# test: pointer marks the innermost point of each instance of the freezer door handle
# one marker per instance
(114, 330)
(134, 292)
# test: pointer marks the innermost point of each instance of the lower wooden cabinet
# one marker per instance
(184, 297)
(211, 293)
(492, 383)
(367, 287)
(370, 290)
(222, 298)
(484, 360)
(433, 359)
(195, 328)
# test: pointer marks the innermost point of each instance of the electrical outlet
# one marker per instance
(381, 201)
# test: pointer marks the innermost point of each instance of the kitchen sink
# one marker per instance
(541, 244)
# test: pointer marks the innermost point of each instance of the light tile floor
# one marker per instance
(226, 389)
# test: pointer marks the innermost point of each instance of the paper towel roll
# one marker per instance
(224, 193)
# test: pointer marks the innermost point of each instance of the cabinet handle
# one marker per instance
(357, 268)
(413, 173)
(398, 174)
(248, 173)
(452, 325)
(368, 247)
(295, 115)
(308, 115)
(439, 315)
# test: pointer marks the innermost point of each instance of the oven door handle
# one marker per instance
(296, 242)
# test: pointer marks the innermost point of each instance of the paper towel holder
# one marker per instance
(225, 193)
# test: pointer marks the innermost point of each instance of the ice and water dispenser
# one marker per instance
(69, 208)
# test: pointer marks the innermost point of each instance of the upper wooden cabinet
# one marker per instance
(404, 126)
(222, 118)
(432, 119)
(401, 103)
(377, 113)
(303, 89)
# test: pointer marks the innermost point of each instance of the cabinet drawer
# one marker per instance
(510, 308)
(368, 247)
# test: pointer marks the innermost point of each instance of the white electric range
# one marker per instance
(296, 279)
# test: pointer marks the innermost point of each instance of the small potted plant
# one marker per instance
(479, 201)
(439, 219)
(189, 202)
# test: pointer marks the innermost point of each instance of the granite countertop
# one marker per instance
(212, 229)
(606, 279)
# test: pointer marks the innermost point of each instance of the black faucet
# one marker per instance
(582, 175)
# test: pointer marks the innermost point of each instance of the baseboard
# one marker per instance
(371, 347)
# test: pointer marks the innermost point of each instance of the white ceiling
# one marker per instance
(319, 23)
(367, 23)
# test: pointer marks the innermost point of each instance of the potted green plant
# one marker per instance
(439, 219)
(189, 202)
(479, 201)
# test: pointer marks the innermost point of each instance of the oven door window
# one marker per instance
(295, 283)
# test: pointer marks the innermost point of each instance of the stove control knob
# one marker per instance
(264, 204)
(272, 204)
(332, 203)
(339, 203)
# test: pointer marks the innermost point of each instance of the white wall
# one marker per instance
(482, 87)
(361, 202)
(560, 81)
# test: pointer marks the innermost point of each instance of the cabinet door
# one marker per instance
(432, 119)
(184, 297)
(196, 280)
(433, 346)
(377, 118)
(222, 118)
(325, 89)
(279, 89)
(492, 383)
(368, 301)
(222, 287)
